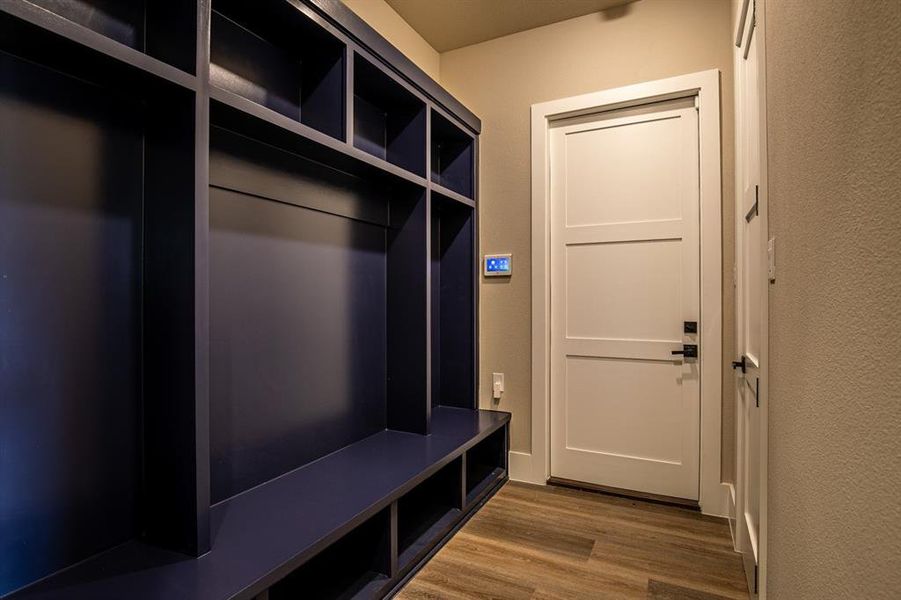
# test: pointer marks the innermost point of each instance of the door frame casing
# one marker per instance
(534, 467)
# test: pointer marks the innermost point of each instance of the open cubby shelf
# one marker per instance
(389, 120)
(428, 511)
(43, 37)
(453, 156)
(356, 566)
(162, 29)
(234, 366)
(247, 118)
(486, 464)
(277, 57)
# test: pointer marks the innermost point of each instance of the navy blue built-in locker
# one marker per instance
(238, 304)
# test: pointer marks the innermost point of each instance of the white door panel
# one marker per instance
(624, 277)
(630, 194)
(626, 418)
(639, 281)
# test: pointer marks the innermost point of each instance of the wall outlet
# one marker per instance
(497, 385)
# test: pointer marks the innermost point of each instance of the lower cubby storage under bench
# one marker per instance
(353, 524)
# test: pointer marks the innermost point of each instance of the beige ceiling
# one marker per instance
(450, 24)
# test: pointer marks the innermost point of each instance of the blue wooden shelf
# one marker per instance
(263, 534)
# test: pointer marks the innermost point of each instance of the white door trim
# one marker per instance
(705, 86)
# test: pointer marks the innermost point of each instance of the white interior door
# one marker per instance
(751, 278)
(625, 411)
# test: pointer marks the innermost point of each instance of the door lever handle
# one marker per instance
(688, 351)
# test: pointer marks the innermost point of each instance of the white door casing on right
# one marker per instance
(624, 246)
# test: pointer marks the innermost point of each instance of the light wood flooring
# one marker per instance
(544, 543)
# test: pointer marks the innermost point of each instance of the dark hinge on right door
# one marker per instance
(757, 392)
(756, 580)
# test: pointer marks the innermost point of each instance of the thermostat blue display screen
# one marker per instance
(498, 264)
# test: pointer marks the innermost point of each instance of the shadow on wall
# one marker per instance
(616, 12)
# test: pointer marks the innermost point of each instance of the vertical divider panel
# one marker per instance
(429, 279)
(202, 276)
(434, 302)
(349, 62)
(394, 546)
(476, 275)
(176, 380)
(173, 434)
(461, 500)
(409, 404)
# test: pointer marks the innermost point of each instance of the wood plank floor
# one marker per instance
(552, 543)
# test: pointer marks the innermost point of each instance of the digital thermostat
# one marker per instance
(498, 265)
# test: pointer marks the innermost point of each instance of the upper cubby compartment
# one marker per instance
(389, 121)
(274, 55)
(452, 156)
(162, 29)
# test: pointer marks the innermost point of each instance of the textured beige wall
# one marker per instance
(500, 79)
(393, 28)
(833, 128)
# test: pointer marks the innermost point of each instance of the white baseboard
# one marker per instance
(522, 469)
(521, 466)
(723, 505)
(731, 515)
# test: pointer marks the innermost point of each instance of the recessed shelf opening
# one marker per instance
(486, 464)
(452, 156)
(272, 54)
(356, 566)
(163, 29)
(453, 307)
(389, 121)
(81, 256)
(305, 261)
(427, 512)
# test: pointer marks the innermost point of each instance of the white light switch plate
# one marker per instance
(497, 385)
